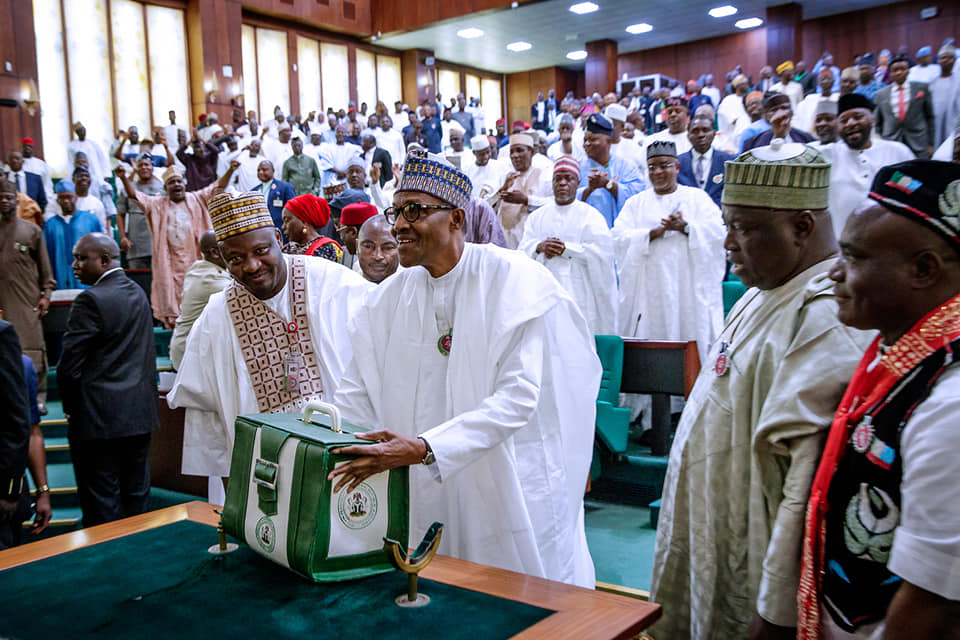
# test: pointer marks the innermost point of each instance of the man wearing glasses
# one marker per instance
(478, 371)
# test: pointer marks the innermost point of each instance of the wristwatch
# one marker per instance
(610, 184)
(428, 457)
(686, 229)
(42, 489)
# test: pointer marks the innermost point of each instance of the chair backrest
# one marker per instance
(610, 350)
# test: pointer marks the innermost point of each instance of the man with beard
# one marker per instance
(176, 219)
(857, 157)
(778, 112)
(727, 555)
(496, 416)
(135, 239)
(523, 189)
(572, 240)
(270, 293)
(377, 249)
(351, 218)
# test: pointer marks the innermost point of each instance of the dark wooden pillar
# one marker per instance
(601, 71)
(418, 79)
(784, 33)
(214, 42)
(18, 67)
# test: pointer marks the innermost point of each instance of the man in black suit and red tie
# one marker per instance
(904, 110)
(108, 381)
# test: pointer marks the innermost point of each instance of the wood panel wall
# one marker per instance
(18, 49)
(348, 16)
(522, 89)
(391, 16)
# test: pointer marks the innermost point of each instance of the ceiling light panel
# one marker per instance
(642, 27)
(748, 23)
(577, 55)
(519, 46)
(470, 33)
(722, 12)
(584, 7)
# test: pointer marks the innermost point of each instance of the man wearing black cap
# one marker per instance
(904, 110)
(676, 114)
(778, 112)
(857, 157)
(606, 181)
(881, 547)
(868, 84)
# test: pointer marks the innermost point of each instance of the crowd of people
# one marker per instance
(284, 256)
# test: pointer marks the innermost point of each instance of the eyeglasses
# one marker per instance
(661, 166)
(411, 211)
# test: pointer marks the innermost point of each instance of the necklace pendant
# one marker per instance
(445, 342)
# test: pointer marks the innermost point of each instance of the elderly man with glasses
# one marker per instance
(477, 371)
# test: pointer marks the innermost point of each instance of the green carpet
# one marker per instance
(163, 582)
(621, 543)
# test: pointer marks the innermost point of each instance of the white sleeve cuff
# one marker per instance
(924, 563)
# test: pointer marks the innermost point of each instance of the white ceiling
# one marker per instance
(553, 30)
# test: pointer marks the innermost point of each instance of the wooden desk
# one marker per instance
(580, 614)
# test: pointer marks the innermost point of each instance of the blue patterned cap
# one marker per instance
(439, 179)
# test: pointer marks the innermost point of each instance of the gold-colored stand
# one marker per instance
(222, 547)
(413, 564)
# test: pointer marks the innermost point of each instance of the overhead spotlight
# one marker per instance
(584, 7)
(642, 27)
(748, 23)
(722, 12)
(577, 55)
(471, 32)
(519, 46)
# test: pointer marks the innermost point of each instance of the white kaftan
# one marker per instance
(670, 288)
(586, 267)
(509, 413)
(744, 455)
(213, 381)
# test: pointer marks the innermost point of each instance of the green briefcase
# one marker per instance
(280, 502)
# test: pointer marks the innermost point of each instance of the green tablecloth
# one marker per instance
(162, 582)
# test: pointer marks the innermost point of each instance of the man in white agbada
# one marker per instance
(727, 555)
(523, 189)
(857, 157)
(572, 240)
(945, 95)
(670, 259)
(218, 378)
(476, 363)
(620, 146)
(484, 173)
(731, 114)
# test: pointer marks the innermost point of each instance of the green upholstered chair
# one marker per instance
(732, 290)
(613, 422)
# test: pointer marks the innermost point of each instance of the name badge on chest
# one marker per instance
(278, 202)
(722, 364)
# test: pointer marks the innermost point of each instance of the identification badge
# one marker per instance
(445, 342)
(278, 202)
(862, 436)
(293, 365)
(721, 365)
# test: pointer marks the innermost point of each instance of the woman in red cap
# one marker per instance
(302, 217)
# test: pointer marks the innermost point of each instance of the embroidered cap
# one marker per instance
(522, 139)
(172, 172)
(779, 176)
(479, 142)
(233, 215)
(783, 66)
(661, 148)
(926, 191)
(854, 101)
(436, 177)
(567, 163)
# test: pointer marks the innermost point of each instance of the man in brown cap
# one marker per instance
(726, 563)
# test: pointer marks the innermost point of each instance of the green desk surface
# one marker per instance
(151, 576)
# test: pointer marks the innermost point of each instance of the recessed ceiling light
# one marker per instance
(577, 55)
(472, 32)
(643, 27)
(748, 23)
(519, 46)
(584, 7)
(722, 12)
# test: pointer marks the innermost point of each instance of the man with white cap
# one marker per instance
(293, 310)
(857, 157)
(825, 125)
(391, 139)
(478, 371)
(523, 189)
(670, 261)
(566, 146)
(572, 240)
(606, 181)
(628, 150)
(732, 111)
(484, 173)
(945, 94)
(923, 71)
(727, 555)
(177, 218)
(334, 160)
(807, 109)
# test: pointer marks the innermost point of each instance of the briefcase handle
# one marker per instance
(325, 408)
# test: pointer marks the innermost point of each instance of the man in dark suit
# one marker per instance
(778, 112)
(28, 183)
(14, 437)
(904, 110)
(275, 192)
(381, 158)
(540, 113)
(702, 166)
(108, 381)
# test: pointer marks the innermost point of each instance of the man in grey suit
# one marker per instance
(904, 110)
(108, 381)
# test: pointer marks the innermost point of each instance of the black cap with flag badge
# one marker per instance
(927, 191)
